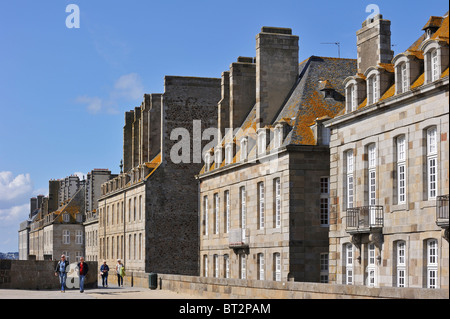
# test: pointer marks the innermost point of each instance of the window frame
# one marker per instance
(432, 162)
(401, 169)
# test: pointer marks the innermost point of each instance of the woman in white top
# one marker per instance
(120, 270)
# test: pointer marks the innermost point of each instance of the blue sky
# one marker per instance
(63, 92)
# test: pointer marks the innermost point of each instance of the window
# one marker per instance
(373, 90)
(404, 78)
(140, 208)
(324, 268)
(261, 267)
(432, 264)
(351, 97)
(208, 162)
(324, 201)
(435, 74)
(229, 154)
(244, 148)
(218, 157)
(348, 262)
(401, 264)
(277, 267)
(261, 205)
(353, 100)
(242, 266)
(66, 237)
(350, 181)
(216, 213)
(262, 142)
(371, 268)
(134, 209)
(277, 196)
(372, 149)
(432, 163)
(227, 211)
(216, 266)
(79, 237)
(205, 215)
(278, 136)
(66, 217)
(243, 208)
(205, 265)
(401, 170)
(226, 261)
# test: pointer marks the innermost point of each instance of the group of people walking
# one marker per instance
(62, 269)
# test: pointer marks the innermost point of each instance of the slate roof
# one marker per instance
(442, 34)
(305, 104)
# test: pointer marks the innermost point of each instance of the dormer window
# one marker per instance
(435, 74)
(373, 90)
(262, 142)
(244, 148)
(208, 162)
(435, 52)
(355, 92)
(353, 100)
(278, 136)
(229, 154)
(218, 157)
(404, 77)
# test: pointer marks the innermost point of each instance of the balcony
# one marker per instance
(367, 219)
(442, 211)
(239, 238)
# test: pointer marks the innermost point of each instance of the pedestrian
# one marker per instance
(120, 270)
(61, 269)
(83, 269)
(104, 269)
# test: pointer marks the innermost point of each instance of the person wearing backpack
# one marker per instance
(120, 270)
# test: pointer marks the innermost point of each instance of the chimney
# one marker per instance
(223, 121)
(242, 90)
(374, 43)
(127, 141)
(276, 71)
(136, 138)
(33, 205)
(144, 130)
(154, 126)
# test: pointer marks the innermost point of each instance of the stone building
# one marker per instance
(148, 215)
(389, 178)
(55, 225)
(264, 186)
(94, 180)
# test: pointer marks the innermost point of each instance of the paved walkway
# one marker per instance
(99, 293)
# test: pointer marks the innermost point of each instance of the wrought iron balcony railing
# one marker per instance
(365, 219)
(442, 210)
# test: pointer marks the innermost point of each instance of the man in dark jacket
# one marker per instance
(61, 269)
(83, 269)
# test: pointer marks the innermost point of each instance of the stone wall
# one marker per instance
(256, 289)
(40, 275)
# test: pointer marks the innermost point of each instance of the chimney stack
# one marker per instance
(276, 71)
(374, 43)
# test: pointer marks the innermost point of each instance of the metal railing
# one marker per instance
(442, 207)
(367, 217)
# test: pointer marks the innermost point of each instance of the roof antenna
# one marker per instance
(338, 45)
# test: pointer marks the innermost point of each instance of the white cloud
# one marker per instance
(129, 86)
(14, 215)
(94, 104)
(14, 188)
(126, 88)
